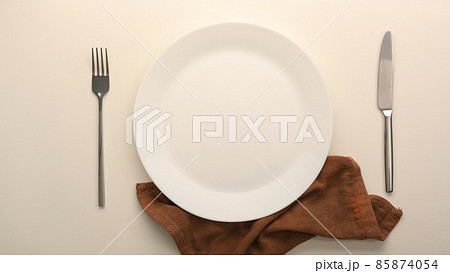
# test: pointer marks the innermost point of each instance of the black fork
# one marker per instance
(100, 86)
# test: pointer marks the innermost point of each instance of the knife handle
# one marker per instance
(388, 152)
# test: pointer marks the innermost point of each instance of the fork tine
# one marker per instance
(101, 60)
(98, 67)
(93, 62)
(107, 67)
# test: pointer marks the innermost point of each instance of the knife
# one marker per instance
(385, 85)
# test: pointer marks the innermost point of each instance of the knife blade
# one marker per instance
(385, 90)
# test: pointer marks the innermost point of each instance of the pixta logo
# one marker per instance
(308, 128)
(148, 119)
(144, 121)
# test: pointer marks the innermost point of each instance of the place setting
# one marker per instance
(233, 123)
(224, 135)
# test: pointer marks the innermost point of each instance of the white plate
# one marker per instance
(225, 66)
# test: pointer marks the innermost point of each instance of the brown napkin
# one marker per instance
(337, 198)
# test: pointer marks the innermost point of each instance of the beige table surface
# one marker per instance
(48, 115)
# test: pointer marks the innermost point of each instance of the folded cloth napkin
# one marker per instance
(337, 198)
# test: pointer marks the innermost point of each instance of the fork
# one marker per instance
(100, 86)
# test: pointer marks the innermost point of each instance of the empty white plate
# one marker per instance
(237, 73)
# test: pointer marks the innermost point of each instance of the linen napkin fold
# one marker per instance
(337, 198)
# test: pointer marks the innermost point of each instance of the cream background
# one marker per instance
(48, 114)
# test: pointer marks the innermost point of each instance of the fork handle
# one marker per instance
(101, 178)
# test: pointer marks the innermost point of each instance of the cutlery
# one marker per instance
(100, 86)
(385, 86)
